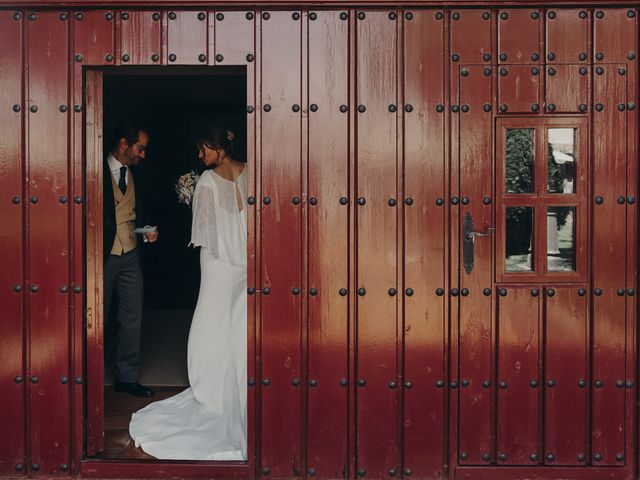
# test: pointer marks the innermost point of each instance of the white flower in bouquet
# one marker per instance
(185, 186)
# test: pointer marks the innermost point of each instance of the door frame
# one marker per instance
(93, 408)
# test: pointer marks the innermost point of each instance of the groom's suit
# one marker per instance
(122, 213)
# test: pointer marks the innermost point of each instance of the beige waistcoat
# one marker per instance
(125, 240)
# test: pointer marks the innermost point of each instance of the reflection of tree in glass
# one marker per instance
(519, 179)
(519, 230)
(519, 174)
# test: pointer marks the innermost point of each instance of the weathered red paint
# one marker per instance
(567, 33)
(567, 88)
(519, 88)
(47, 166)
(415, 414)
(519, 36)
(518, 352)
(376, 246)
(566, 361)
(12, 235)
(425, 247)
(608, 267)
(327, 164)
(139, 37)
(476, 309)
(281, 235)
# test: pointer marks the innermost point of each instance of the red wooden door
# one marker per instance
(542, 309)
(543, 373)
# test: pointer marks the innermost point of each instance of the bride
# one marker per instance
(208, 420)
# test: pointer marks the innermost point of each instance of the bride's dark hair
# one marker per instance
(214, 137)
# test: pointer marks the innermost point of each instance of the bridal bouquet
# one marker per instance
(185, 186)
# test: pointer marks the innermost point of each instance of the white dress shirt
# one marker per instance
(115, 166)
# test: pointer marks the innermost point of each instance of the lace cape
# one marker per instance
(218, 225)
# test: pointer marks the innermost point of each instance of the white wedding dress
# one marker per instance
(208, 420)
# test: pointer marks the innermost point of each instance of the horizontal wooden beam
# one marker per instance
(312, 4)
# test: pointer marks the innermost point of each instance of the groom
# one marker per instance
(123, 213)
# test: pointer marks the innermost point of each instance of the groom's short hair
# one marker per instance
(128, 129)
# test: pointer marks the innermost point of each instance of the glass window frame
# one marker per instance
(540, 199)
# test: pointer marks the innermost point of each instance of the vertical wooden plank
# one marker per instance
(519, 36)
(567, 88)
(518, 408)
(234, 38)
(328, 245)
(48, 245)
(608, 265)
(94, 42)
(187, 37)
(352, 435)
(281, 244)
(377, 403)
(253, 259)
(94, 265)
(425, 246)
(518, 88)
(629, 43)
(567, 35)
(450, 110)
(614, 48)
(471, 36)
(139, 37)
(565, 380)
(476, 308)
(12, 283)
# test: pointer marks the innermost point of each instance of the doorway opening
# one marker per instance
(174, 105)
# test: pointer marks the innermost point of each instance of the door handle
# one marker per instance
(471, 235)
(467, 241)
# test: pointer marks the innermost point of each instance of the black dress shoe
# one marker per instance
(133, 388)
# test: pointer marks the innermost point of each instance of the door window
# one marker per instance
(541, 202)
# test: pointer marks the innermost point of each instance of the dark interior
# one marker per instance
(174, 106)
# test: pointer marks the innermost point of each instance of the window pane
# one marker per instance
(519, 238)
(561, 245)
(561, 160)
(519, 160)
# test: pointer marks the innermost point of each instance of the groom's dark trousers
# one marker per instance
(123, 278)
(122, 274)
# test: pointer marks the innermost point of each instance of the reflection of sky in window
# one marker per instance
(561, 139)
